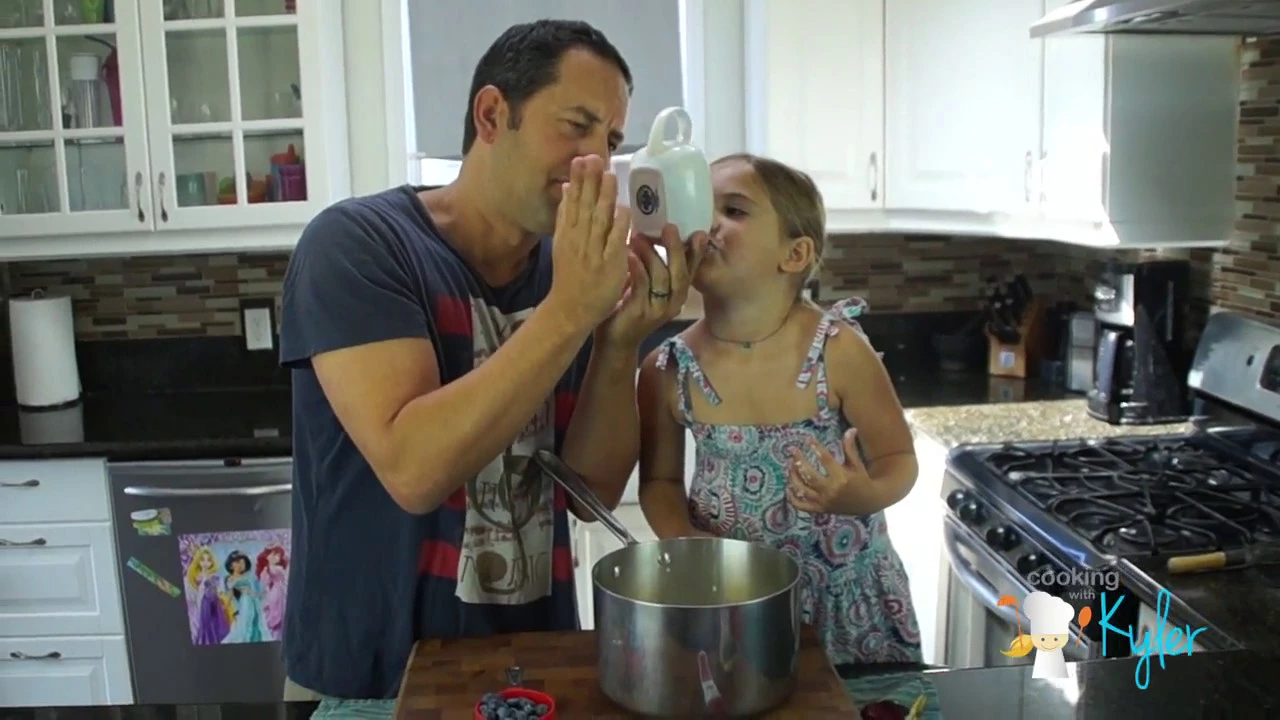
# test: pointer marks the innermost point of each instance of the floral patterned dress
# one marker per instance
(853, 587)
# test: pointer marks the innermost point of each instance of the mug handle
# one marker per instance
(684, 129)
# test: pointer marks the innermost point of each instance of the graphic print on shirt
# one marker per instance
(507, 541)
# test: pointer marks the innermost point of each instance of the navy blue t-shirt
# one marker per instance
(366, 578)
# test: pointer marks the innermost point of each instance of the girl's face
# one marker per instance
(240, 566)
(747, 246)
(206, 562)
(273, 559)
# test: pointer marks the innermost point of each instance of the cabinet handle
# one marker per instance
(164, 213)
(1044, 195)
(874, 172)
(24, 484)
(1026, 181)
(55, 655)
(38, 542)
(137, 193)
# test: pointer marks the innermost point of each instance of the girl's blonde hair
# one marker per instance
(796, 200)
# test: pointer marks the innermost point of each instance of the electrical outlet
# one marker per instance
(258, 333)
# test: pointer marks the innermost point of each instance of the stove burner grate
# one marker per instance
(1151, 497)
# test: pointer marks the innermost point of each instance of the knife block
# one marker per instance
(1020, 359)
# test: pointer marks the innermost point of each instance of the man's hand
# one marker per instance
(656, 291)
(589, 249)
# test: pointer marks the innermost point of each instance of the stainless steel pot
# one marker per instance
(690, 627)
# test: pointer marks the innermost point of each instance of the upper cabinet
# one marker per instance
(935, 116)
(962, 105)
(173, 115)
(794, 50)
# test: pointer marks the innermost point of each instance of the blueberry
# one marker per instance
(541, 710)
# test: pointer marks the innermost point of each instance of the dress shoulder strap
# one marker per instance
(687, 368)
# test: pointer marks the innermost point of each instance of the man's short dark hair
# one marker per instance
(526, 58)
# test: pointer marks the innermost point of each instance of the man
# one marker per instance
(433, 352)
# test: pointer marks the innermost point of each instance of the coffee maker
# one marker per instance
(1140, 370)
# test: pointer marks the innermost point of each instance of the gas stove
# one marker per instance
(1062, 516)
(1149, 496)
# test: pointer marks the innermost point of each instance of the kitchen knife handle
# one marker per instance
(1206, 561)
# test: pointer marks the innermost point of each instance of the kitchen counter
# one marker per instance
(154, 426)
(1230, 684)
(444, 676)
(1243, 604)
(1022, 422)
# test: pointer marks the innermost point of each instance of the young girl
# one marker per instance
(801, 440)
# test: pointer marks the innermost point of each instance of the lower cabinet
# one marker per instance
(915, 528)
(592, 541)
(64, 671)
(62, 635)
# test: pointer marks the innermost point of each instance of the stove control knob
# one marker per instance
(1029, 562)
(956, 498)
(971, 511)
(1002, 537)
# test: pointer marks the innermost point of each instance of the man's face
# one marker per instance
(582, 113)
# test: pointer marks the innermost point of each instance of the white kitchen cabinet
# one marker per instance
(940, 117)
(61, 622)
(915, 528)
(962, 105)
(592, 541)
(1139, 138)
(814, 93)
(64, 671)
(212, 96)
(58, 579)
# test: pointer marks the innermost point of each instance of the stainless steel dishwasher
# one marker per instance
(203, 556)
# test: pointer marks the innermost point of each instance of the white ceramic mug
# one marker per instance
(670, 181)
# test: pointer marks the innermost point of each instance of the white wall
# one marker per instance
(366, 98)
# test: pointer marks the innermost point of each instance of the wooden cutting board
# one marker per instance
(445, 678)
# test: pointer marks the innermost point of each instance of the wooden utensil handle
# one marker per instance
(1197, 563)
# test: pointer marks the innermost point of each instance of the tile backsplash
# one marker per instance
(148, 297)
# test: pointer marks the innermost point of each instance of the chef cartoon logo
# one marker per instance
(1048, 630)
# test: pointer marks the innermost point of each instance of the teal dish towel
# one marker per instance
(900, 688)
(354, 710)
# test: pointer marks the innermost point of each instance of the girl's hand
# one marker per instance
(835, 488)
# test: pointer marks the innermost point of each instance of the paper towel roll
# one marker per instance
(43, 340)
(52, 427)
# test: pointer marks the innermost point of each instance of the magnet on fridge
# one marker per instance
(154, 578)
(152, 523)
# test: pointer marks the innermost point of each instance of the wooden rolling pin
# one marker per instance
(1262, 554)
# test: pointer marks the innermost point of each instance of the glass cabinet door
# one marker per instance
(226, 103)
(73, 153)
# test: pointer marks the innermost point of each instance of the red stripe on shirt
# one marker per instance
(440, 559)
(565, 401)
(561, 564)
(453, 315)
(457, 499)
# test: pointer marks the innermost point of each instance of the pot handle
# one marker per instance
(574, 485)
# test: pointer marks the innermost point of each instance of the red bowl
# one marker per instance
(537, 698)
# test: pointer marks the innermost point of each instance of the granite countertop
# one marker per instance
(1020, 422)
(1229, 684)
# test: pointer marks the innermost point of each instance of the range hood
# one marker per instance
(1169, 17)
